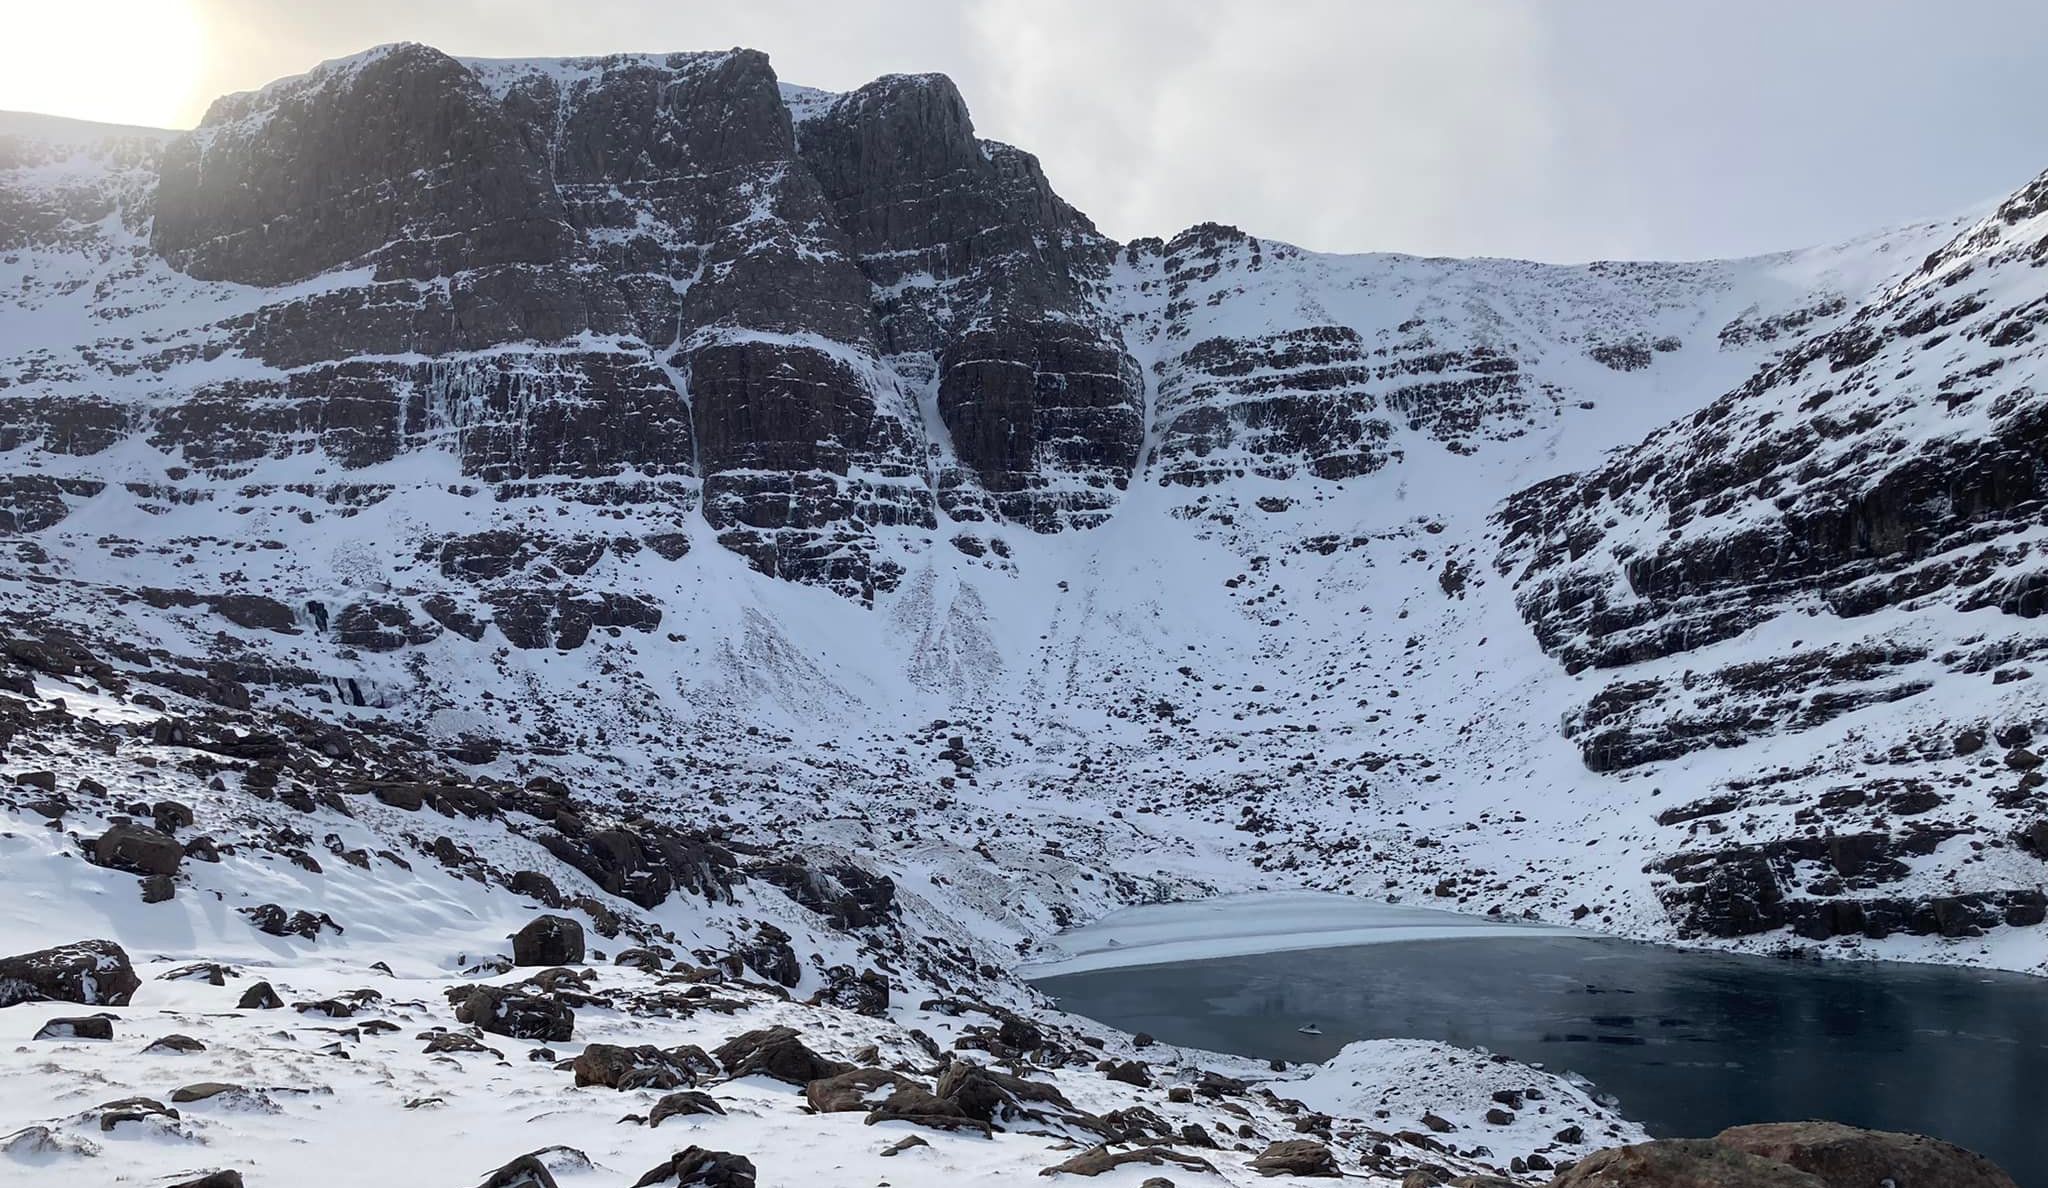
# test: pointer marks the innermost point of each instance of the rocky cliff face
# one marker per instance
(649, 421)
(661, 241)
(989, 293)
(1882, 484)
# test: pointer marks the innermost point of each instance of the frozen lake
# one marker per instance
(1262, 922)
(1690, 1042)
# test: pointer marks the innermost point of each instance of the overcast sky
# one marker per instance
(1554, 129)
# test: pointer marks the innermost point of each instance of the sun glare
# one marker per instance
(120, 61)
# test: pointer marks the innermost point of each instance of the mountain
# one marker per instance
(749, 512)
(1849, 536)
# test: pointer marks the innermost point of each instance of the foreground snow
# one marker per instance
(344, 1101)
(328, 1104)
(423, 908)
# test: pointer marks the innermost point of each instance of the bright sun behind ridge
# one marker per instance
(118, 61)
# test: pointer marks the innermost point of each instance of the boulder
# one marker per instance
(273, 920)
(183, 1044)
(1128, 1072)
(913, 1103)
(860, 1089)
(132, 1109)
(1096, 1160)
(992, 1096)
(560, 980)
(41, 1142)
(508, 1011)
(85, 1027)
(771, 956)
(688, 1101)
(1683, 1163)
(409, 798)
(375, 625)
(259, 997)
(94, 972)
(535, 885)
(137, 849)
(1846, 1157)
(695, 1167)
(548, 940)
(848, 896)
(642, 1067)
(776, 1052)
(443, 1042)
(1136, 1125)
(257, 612)
(863, 993)
(1023, 1035)
(1296, 1157)
(523, 1172)
(169, 816)
(220, 1179)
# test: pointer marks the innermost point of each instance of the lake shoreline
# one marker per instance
(1689, 1041)
(1253, 923)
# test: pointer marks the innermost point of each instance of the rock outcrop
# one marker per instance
(94, 972)
(548, 940)
(1683, 1163)
(1849, 535)
(1788, 1155)
(1844, 1156)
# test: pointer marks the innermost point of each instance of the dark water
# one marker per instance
(1690, 1042)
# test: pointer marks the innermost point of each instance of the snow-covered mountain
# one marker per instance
(752, 493)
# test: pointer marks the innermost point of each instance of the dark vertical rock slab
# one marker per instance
(989, 287)
(681, 172)
(395, 158)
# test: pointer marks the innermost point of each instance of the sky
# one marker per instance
(1563, 130)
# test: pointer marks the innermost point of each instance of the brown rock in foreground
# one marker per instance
(1789, 1155)
(1845, 1157)
(1683, 1163)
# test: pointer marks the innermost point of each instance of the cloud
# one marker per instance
(1370, 125)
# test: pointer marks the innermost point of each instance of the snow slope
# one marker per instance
(1270, 664)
